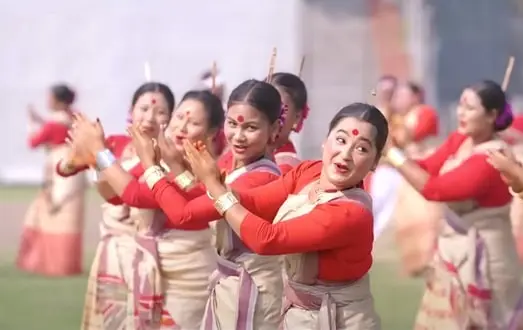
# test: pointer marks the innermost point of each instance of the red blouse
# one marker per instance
(115, 143)
(340, 232)
(50, 133)
(473, 179)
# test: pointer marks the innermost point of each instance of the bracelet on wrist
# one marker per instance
(104, 159)
(152, 175)
(225, 202)
(67, 166)
(396, 157)
(185, 180)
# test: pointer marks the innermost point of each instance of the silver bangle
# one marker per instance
(104, 159)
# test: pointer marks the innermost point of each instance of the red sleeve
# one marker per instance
(137, 171)
(427, 124)
(285, 168)
(328, 226)
(50, 133)
(138, 194)
(201, 210)
(435, 161)
(471, 180)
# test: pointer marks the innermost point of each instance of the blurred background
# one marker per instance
(99, 47)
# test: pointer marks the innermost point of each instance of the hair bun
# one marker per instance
(504, 118)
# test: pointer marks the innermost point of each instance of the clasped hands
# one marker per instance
(87, 138)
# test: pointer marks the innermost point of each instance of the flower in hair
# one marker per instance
(505, 116)
(304, 115)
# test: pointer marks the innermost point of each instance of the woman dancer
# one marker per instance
(383, 182)
(251, 126)
(321, 203)
(51, 242)
(294, 96)
(474, 279)
(210, 80)
(414, 217)
(125, 289)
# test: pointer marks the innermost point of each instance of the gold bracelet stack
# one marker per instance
(225, 202)
(185, 180)
(152, 175)
(396, 157)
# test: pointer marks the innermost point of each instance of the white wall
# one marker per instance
(99, 47)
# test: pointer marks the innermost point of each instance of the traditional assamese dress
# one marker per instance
(474, 277)
(390, 194)
(246, 287)
(143, 276)
(327, 243)
(415, 219)
(51, 242)
(165, 271)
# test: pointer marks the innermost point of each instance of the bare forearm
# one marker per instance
(104, 189)
(116, 178)
(414, 174)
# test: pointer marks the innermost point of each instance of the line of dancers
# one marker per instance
(201, 234)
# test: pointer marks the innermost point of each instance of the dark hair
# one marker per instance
(416, 89)
(62, 93)
(369, 114)
(155, 87)
(212, 105)
(493, 98)
(260, 95)
(293, 86)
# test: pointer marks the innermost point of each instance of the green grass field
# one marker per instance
(32, 303)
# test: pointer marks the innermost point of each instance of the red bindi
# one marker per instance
(153, 101)
(355, 132)
(240, 119)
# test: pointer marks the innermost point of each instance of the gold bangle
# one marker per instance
(185, 180)
(67, 167)
(225, 202)
(396, 157)
(152, 175)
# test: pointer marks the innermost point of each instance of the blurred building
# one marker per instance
(100, 47)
